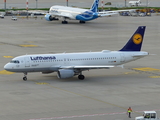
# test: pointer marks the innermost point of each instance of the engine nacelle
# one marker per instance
(48, 17)
(65, 73)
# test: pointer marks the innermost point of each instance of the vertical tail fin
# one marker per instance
(135, 42)
(94, 7)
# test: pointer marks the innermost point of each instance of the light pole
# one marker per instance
(27, 7)
(67, 2)
(102, 4)
(147, 3)
(5, 5)
(36, 4)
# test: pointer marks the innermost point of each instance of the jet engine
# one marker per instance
(48, 17)
(65, 73)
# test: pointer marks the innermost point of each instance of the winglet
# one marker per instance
(94, 7)
(135, 42)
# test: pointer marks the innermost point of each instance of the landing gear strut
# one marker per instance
(25, 77)
(64, 21)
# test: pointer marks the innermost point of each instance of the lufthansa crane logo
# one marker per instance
(137, 38)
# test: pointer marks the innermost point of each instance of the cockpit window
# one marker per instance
(14, 61)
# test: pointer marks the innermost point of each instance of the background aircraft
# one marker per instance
(135, 3)
(72, 13)
(70, 64)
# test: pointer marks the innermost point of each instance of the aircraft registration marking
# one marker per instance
(28, 45)
(4, 72)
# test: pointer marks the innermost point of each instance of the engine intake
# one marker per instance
(48, 17)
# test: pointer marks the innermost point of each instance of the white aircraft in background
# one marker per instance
(74, 13)
(80, 14)
(135, 3)
(70, 64)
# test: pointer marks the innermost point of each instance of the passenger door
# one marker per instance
(27, 62)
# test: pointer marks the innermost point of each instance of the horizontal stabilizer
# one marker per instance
(140, 55)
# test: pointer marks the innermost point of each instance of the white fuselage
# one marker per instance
(87, 60)
(66, 11)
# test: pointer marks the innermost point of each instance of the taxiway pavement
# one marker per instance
(103, 95)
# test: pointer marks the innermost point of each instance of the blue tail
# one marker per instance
(135, 42)
(94, 7)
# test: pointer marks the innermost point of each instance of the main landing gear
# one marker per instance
(81, 77)
(64, 22)
(25, 77)
(82, 22)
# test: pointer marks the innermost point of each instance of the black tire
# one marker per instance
(25, 78)
(64, 22)
(82, 22)
(81, 77)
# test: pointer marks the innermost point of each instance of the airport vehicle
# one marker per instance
(70, 64)
(148, 115)
(14, 18)
(1, 16)
(135, 3)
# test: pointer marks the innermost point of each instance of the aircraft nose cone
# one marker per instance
(6, 67)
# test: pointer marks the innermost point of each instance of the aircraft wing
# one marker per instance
(129, 10)
(109, 13)
(103, 14)
(87, 67)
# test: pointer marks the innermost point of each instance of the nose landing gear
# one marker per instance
(25, 77)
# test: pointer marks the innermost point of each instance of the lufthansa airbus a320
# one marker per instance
(71, 64)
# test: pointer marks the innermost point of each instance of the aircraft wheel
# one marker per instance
(25, 78)
(81, 77)
(82, 21)
(64, 22)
